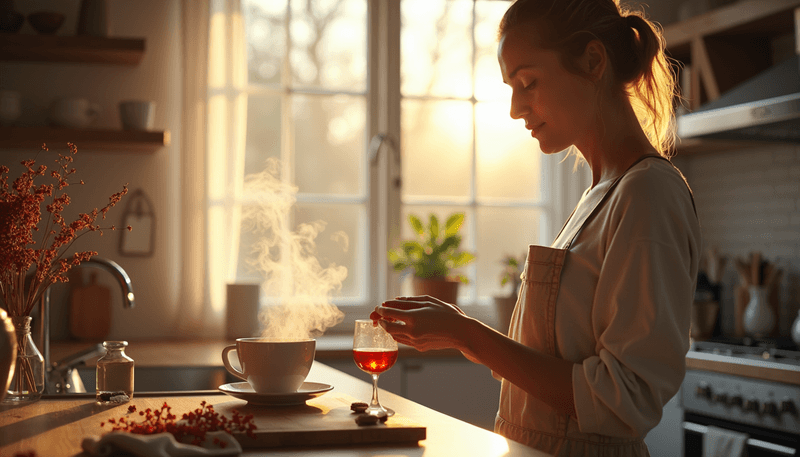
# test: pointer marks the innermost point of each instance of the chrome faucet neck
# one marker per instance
(128, 301)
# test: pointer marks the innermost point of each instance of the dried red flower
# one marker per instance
(20, 216)
(192, 427)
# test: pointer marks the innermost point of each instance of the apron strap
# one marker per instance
(611, 188)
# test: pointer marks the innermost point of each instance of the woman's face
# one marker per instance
(558, 106)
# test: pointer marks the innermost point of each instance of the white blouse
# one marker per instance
(623, 309)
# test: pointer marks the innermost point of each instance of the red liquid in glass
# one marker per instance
(374, 361)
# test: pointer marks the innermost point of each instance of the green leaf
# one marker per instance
(453, 224)
(416, 224)
(451, 242)
(434, 227)
(413, 249)
(462, 258)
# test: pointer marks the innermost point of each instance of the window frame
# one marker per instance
(383, 163)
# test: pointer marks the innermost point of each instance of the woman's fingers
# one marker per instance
(403, 304)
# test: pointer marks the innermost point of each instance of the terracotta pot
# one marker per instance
(445, 290)
(504, 308)
(8, 352)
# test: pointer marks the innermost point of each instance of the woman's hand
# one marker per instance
(422, 322)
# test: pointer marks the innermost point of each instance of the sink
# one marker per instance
(168, 379)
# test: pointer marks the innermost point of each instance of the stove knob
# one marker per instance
(736, 400)
(770, 408)
(788, 406)
(751, 404)
(703, 390)
(721, 397)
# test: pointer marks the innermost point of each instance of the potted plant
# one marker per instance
(504, 304)
(432, 256)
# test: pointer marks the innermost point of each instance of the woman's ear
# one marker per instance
(594, 60)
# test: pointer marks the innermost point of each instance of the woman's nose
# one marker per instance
(519, 107)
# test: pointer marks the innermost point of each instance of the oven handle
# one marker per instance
(751, 442)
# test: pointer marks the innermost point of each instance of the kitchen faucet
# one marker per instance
(61, 376)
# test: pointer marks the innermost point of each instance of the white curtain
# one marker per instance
(212, 157)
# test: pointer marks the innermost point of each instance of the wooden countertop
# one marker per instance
(56, 427)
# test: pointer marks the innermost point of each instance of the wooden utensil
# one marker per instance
(755, 268)
(744, 272)
(90, 311)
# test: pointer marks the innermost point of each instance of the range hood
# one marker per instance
(764, 108)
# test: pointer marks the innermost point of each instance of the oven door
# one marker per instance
(761, 442)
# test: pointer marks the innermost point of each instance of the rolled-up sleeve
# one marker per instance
(641, 318)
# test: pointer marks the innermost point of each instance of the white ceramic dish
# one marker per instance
(243, 391)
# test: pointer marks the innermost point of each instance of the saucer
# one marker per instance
(243, 391)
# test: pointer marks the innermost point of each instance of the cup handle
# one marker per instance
(228, 365)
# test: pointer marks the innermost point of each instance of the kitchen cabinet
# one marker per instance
(77, 50)
(724, 47)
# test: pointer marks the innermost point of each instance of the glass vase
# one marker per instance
(27, 382)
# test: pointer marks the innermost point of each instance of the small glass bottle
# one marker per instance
(114, 374)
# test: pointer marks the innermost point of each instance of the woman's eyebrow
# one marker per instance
(513, 73)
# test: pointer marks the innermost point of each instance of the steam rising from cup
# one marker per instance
(287, 260)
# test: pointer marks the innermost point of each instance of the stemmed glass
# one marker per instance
(374, 352)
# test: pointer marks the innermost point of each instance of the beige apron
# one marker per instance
(523, 418)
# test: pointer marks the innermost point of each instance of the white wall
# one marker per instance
(749, 200)
(156, 78)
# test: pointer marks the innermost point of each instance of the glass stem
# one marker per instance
(375, 403)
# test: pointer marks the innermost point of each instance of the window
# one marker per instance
(323, 78)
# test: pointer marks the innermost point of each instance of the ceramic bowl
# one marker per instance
(11, 21)
(46, 22)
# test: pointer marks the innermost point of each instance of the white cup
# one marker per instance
(137, 114)
(73, 112)
(272, 365)
(9, 106)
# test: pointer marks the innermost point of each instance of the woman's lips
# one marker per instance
(535, 129)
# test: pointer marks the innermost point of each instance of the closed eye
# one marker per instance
(531, 85)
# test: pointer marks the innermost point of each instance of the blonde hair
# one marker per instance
(634, 45)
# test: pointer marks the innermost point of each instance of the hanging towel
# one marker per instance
(718, 442)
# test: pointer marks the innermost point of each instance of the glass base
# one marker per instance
(379, 411)
(113, 398)
(16, 397)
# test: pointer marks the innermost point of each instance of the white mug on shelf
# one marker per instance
(73, 112)
(137, 114)
(9, 106)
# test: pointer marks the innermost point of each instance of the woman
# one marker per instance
(598, 338)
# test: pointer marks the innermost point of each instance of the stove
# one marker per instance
(774, 350)
(747, 386)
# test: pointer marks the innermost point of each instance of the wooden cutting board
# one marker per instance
(90, 311)
(325, 420)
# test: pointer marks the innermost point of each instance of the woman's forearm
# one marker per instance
(543, 376)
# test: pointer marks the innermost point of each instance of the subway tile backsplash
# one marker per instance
(749, 200)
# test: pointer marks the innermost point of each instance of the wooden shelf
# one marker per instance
(85, 139)
(723, 48)
(729, 45)
(74, 49)
(742, 17)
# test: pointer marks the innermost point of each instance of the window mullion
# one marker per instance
(384, 119)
